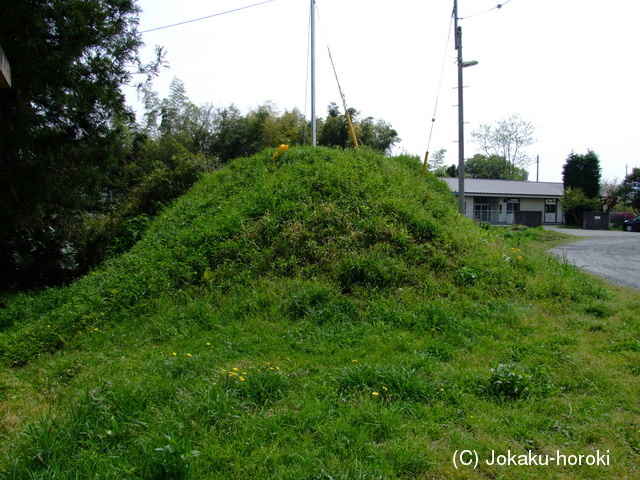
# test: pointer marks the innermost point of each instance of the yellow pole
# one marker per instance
(352, 131)
(424, 165)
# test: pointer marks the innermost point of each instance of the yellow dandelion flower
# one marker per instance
(375, 393)
(244, 373)
(208, 343)
(224, 371)
(354, 361)
(235, 369)
(174, 353)
(385, 388)
(241, 379)
(277, 368)
(188, 354)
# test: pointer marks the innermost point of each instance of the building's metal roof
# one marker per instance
(486, 187)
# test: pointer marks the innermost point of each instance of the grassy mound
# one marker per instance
(321, 314)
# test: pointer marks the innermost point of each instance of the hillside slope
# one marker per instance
(321, 314)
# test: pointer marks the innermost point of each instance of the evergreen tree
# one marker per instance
(60, 123)
(582, 171)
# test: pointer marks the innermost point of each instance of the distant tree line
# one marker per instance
(80, 177)
(226, 133)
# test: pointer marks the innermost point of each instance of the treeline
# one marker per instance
(80, 176)
(93, 196)
(225, 133)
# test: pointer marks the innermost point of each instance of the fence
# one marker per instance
(495, 217)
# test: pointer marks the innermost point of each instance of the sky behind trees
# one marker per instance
(563, 66)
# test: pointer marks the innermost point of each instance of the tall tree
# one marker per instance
(377, 134)
(582, 171)
(507, 139)
(59, 123)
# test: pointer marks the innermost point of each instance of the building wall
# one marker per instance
(499, 208)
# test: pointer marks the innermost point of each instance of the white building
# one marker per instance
(510, 201)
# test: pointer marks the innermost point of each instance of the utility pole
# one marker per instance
(458, 30)
(461, 65)
(313, 73)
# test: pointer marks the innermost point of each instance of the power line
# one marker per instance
(435, 107)
(497, 7)
(335, 72)
(204, 18)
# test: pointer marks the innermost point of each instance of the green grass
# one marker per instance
(325, 314)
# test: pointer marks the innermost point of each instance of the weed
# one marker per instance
(504, 382)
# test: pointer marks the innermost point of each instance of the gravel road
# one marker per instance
(612, 254)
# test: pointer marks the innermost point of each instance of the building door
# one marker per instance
(513, 205)
(550, 211)
(482, 209)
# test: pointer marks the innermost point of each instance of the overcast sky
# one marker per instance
(569, 67)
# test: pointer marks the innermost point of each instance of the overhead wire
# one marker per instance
(205, 18)
(333, 65)
(433, 119)
(335, 72)
(435, 107)
(497, 7)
